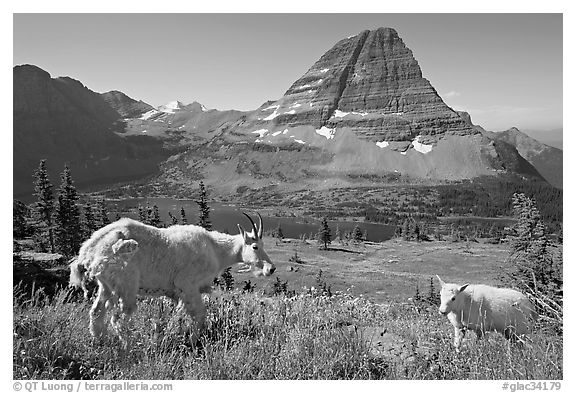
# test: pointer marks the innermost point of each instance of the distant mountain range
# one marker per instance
(362, 114)
(546, 159)
(63, 121)
(552, 138)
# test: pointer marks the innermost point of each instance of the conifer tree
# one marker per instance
(183, 216)
(103, 213)
(173, 219)
(19, 222)
(44, 206)
(149, 213)
(67, 218)
(417, 295)
(154, 217)
(204, 216)
(338, 234)
(357, 235)
(432, 293)
(406, 235)
(90, 225)
(416, 231)
(226, 280)
(533, 263)
(279, 233)
(324, 235)
(347, 237)
(424, 231)
(142, 214)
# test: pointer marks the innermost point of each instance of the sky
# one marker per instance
(504, 69)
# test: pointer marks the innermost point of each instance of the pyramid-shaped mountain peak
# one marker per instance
(369, 83)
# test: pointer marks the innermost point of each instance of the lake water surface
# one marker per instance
(225, 217)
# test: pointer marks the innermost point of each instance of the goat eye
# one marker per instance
(255, 247)
(453, 298)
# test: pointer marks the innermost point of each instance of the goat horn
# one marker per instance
(252, 222)
(261, 229)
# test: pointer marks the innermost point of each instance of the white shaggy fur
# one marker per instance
(483, 308)
(128, 258)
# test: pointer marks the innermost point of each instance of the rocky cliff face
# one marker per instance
(372, 85)
(124, 105)
(366, 110)
(62, 121)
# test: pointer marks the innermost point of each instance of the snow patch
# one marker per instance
(306, 86)
(326, 132)
(149, 114)
(204, 109)
(258, 140)
(339, 113)
(261, 132)
(276, 133)
(382, 144)
(144, 131)
(285, 131)
(421, 147)
(297, 105)
(323, 70)
(273, 115)
(290, 112)
(404, 152)
(171, 107)
(300, 141)
(271, 107)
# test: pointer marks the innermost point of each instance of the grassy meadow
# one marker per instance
(307, 335)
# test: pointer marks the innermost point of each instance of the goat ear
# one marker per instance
(463, 287)
(439, 279)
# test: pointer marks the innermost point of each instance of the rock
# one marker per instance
(395, 350)
(384, 344)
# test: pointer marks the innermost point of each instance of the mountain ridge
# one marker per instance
(362, 108)
(64, 122)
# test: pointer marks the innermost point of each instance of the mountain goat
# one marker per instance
(483, 308)
(128, 258)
